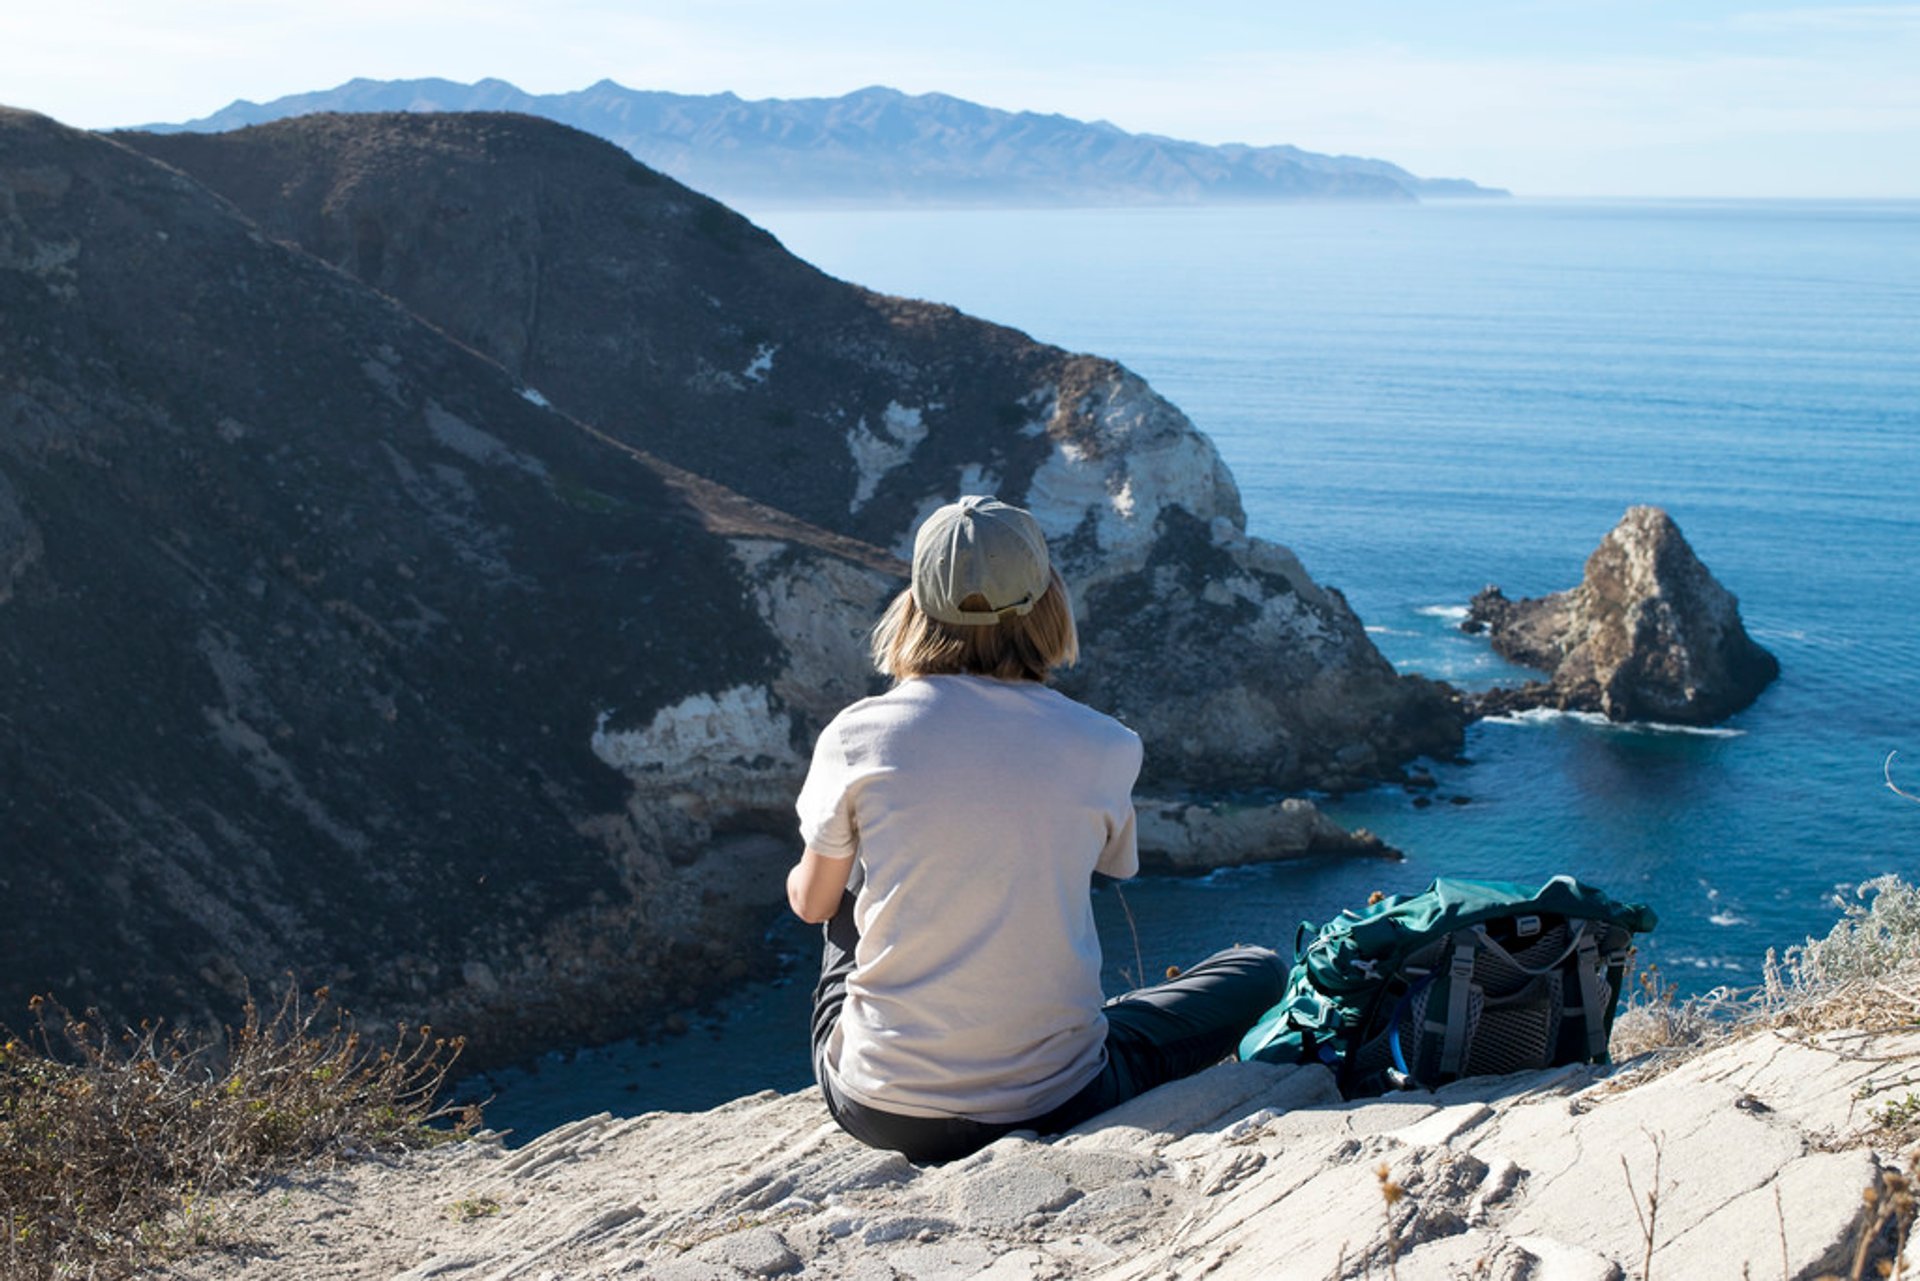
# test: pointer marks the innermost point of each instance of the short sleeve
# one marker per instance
(825, 804)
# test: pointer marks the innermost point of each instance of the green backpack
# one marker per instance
(1467, 978)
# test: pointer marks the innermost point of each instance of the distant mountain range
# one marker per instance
(881, 146)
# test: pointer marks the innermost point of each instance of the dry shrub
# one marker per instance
(112, 1145)
(1657, 1020)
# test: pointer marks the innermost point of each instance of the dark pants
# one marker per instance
(1155, 1035)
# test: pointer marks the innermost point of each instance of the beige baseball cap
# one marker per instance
(981, 546)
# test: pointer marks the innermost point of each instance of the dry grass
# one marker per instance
(114, 1144)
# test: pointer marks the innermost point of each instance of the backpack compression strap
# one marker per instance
(1453, 1049)
(1595, 994)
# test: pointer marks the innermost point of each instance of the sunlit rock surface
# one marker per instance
(1751, 1159)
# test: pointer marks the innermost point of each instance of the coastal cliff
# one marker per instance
(676, 325)
(319, 635)
(398, 642)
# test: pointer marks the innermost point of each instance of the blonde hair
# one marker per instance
(1025, 647)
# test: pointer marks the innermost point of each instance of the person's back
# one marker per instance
(952, 827)
(984, 806)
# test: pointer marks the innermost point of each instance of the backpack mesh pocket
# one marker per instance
(1515, 1002)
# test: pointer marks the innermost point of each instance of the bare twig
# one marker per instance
(1649, 1221)
(1390, 1194)
(1139, 965)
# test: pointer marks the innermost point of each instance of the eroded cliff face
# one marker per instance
(677, 326)
(319, 638)
(1648, 635)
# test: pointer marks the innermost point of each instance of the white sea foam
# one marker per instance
(1549, 716)
(1453, 613)
(1698, 731)
(1727, 918)
(1552, 715)
(1390, 631)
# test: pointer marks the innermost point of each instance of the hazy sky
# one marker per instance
(1548, 97)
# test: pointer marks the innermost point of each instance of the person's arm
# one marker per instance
(1120, 859)
(815, 885)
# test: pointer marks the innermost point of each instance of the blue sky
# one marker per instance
(1548, 97)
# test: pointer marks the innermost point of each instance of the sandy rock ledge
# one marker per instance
(1761, 1150)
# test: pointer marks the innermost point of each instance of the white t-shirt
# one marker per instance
(979, 809)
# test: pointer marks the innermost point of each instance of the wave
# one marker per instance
(1455, 613)
(1721, 964)
(1727, 918)
(1552, 715)
(1390, 631)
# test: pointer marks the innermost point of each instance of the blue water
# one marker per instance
(1421, 401)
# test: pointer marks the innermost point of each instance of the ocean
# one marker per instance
(1424, 400)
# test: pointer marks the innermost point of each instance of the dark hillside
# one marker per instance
(308, 617)
(635, 303)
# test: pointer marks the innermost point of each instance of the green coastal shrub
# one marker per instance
(115, 1144)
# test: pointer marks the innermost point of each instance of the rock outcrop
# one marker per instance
(1648, 635)
(320, 638)
(1201, 834)
(1757, 1154)
(677, 326)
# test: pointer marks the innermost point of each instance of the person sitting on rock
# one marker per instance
(953, 826)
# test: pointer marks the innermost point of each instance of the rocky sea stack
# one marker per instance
(1648, 635)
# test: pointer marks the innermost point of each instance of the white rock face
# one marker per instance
(701, 732)
(877, 452)
(700, 762)
(824, 610)
(742, 751)
(1141, 457)
(762, 363)
(1247, 1171)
